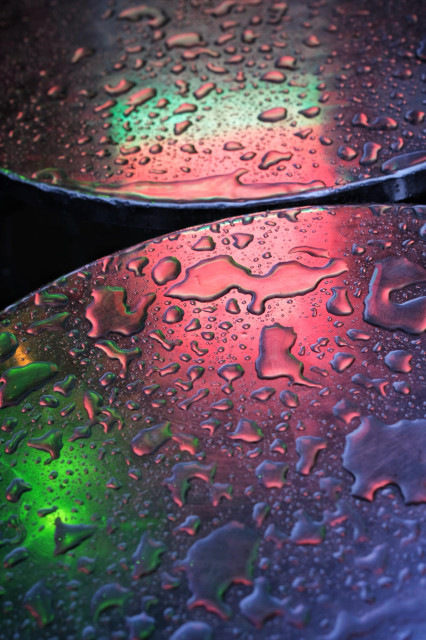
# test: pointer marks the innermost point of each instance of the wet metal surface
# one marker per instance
(210, 100)
(220, 434)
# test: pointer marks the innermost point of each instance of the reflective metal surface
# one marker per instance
(221, 434)
(201, 101)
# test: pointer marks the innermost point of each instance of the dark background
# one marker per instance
(40, 244)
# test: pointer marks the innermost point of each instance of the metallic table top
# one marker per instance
(220, 433)
(210, 101)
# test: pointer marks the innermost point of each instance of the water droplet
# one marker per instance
(242, 240)
(393, 274)
(193, 631)
(181, 127)
(212, 278)
(272, 158)
(204, 90)
(18, 382)
(398, 361)
(247, 431)
(38, 601)
(17, 487)
(289, 399)
(232, 145)
(260, 512)
(346, 410)
(189, 526)
(273, 115)
(121, 87)
(310, 112)
(403, 161)
(378, 454)
(306, 530)
(342, 361)
(109, 313)
(165, 270)
(146, 558)
(308, 448)
(184, 40)
(370, 153)
(81, 53)
(311, 41)
(263, 394)
(232, 306)
(182, 473)
(15, 556)
(159, 336)
(8, 345)
(69, 536)
(357, 334)
(277, 77)
(286, 62)
(173, 314)
(275, 358)
(205, 243)
(140, 97)
(140, 625)
(148, 441)
(346, 153)
(51, 442)
(46, 299)
(215, 562)
(108, 596)
(156, 17)
(339, 304)
(260, 606)
(272, 474)
(230, 372)
(124, 356)
(65, 386)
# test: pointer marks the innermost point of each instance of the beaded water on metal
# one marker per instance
(194, 101)
(220, 434)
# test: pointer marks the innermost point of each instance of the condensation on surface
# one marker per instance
(193, 447)
(210, 100)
